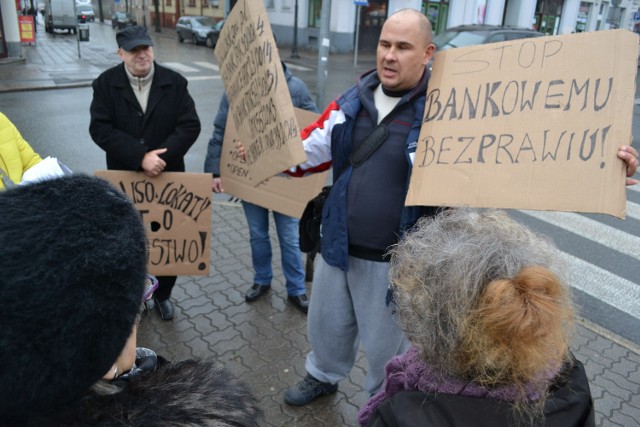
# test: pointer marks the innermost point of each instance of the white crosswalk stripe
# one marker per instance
(610, 285)
(197, 78)
(604, 285)
(633, 210)
(196, 71)
(593, 230)
(297, 67)
(178, 66)
(207, 65)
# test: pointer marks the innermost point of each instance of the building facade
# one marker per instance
(168, 11)
(362, 24)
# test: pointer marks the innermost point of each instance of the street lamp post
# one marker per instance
(323, 52)
(157, 13)
(100, 11)
(294, 49)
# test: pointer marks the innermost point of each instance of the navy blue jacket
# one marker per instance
(328, 142)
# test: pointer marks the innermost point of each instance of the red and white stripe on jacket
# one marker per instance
(316, 139)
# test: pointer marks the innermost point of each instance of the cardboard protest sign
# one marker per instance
(529, 124)
(280, 193)
(259, 99)
(176, 211)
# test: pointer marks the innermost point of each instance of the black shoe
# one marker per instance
(301, 302)
(307, 390)
(256, 291)
(165, 308)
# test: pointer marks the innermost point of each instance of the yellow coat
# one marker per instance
(16, 155)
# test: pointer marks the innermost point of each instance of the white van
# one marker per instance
(60, 14)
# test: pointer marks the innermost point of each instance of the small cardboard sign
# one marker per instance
(259, 99)
(529, 124)
(281, 193)
(176, 211)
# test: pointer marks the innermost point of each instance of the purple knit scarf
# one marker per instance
(408, 372)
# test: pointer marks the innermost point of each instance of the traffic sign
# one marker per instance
(361, 2)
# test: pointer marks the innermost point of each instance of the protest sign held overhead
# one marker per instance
(259, 99)
(529, 124)
(176, 211)
(280, 193)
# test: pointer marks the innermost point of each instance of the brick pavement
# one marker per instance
(265, 342)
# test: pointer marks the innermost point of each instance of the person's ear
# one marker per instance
(429, 51)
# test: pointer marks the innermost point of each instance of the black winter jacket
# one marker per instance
(125, 133)
(569, 404)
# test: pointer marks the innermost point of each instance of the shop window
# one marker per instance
(437, 12)
(315, 6)
(583, 16)
(548, 15)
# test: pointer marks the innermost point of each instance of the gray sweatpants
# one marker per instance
(347, 308)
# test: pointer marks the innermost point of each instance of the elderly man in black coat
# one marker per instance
(143, 117)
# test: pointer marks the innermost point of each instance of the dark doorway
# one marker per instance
(372, 18)
(547, 17)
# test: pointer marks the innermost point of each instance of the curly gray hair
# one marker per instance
(482, 298)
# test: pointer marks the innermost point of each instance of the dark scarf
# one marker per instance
(408, 372)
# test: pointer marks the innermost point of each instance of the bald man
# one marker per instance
(365, 212)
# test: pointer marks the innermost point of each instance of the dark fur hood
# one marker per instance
(188, 393)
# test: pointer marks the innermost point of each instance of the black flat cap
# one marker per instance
(132, 37)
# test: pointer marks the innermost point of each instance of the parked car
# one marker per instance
(194, 28)
(468, 35)
(85, 13)
(212, 37)
(83, 2)
(122, 20)
(60, 15)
